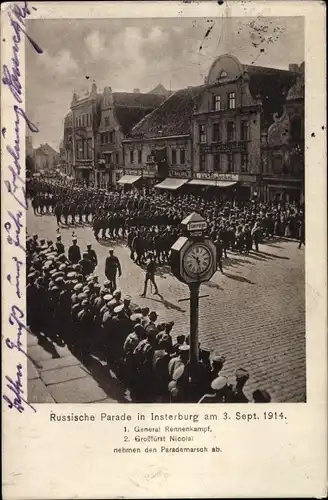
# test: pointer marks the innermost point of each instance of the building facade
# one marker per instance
(160, 146)
(95, 127)
(283, 148)
(45, 158)
(236, 106)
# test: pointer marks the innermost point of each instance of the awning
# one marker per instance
(129, 179)
(171, 183)
(210, 182)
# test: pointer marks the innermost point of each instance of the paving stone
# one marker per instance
(51, 364)
(63, 374)
(85, 390)
(260, 327)
(32, 372)
(31, 339)
(37, 392)
(38, 353)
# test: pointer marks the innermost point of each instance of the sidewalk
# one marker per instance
(56, 376)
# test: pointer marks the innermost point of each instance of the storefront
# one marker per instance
(290, 191)
(146, 177)
(84, 171)
(229, 187)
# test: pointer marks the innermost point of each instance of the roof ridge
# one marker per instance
(155, 109)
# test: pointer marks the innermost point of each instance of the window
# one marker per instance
(174, 156)
(182, 156)
(102, 138)
(202, 163)
(117, 158)
(202, 133)
(231, 162)
(216, 105)
(216, 132)
(76, 122)
(244, 131)
(131, 156)
(217, 163)
(230, 131)
(296, 130)
(139, 156)
(106, 121)
(111, 136)
(244, 162)
(231, 100)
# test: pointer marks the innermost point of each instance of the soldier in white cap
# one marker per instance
(236, 390)
(219, 387)
(74, 252)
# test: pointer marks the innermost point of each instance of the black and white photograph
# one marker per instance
(165, 246)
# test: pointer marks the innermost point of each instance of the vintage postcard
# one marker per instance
(164, 249)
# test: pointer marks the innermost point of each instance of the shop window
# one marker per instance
(139, 156)
(231, 163)
(231, 100)
(216, 132)
(217, 163)
(174, 156)
(132, 156)
(202, 133)
(106, 121)
(244, 131)
(230, 131)
(216, 103)
(244, 162)
(202, 163)
(182, 156)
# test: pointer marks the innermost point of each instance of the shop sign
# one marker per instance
(217, 177)
(84, 164)
(226, 147)
(143, 172)
(182, 174)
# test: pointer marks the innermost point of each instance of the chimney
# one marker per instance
(293, 68)
(136, 91)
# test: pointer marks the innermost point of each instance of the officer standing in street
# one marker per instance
(74, 252)
(59, 246)
(92, 256)
(150, 276)
(112, 266)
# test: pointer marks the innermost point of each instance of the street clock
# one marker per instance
(193, 257)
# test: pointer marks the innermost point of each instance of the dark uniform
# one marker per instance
(74, 253)
(92, 256)
(112, 265)
(150, 276)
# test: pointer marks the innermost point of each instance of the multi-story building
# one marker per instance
(95, 127)
(236, 107)
(86, 116)
(46, 158)
(283, 148)
(120, 111)
(159, 147)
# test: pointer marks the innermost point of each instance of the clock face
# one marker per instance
(197, 260)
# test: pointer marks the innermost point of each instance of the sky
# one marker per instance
(141, 53)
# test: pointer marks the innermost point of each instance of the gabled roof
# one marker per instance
(46, 150)
(171, 118)
(130, 108)
(271, 85)
(133, 99)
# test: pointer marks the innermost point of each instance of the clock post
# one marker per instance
(193, 261)
(194, 321)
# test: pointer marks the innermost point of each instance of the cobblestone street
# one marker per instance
(254, 314)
